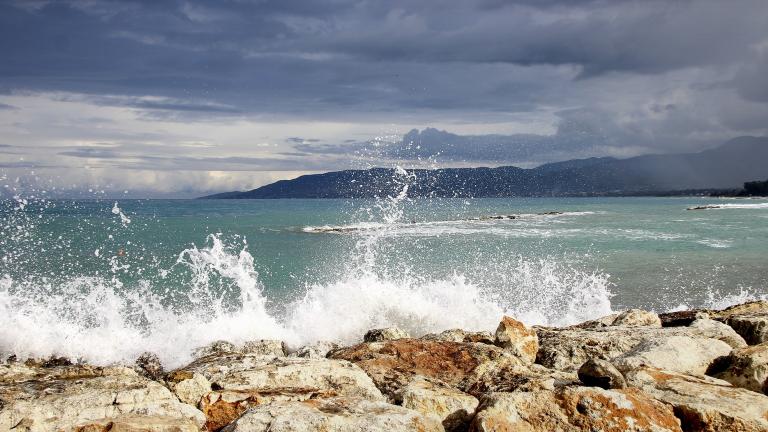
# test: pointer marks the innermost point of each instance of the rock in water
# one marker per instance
(515, 337)
(452, 408)
(600, 373)
(332, 415)
(753, 328)
(637, 318)
(385, 334)
(745, 367)
(704, 403)
(574, 409)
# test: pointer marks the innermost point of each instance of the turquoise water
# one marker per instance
(105, 280)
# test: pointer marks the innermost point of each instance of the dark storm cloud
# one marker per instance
(303, 56)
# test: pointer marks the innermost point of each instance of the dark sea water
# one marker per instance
(105, 280)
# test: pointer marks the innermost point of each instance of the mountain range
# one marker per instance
(726, 167)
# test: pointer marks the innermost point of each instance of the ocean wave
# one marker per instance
(731, 206)
(102, 321)
(716, 243)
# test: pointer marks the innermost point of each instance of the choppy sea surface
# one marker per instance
(105, 280)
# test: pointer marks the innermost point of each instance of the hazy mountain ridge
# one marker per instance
(728, 166)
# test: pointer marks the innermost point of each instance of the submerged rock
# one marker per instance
(392, 364)
(333, 415)
(600, 373)
(675, 353)
(452, 408)
(516, 338)
(239, 381)
(385, 334)
(76, 397)
(574, 409)
(745, 367)
(704, 403)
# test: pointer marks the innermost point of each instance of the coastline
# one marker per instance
(692, 370)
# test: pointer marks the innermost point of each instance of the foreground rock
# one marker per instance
(745, 367)
(393, 364)
(704, 403)
(574, 409)
(239, 381)
(637, 318)
(600, 373)
(753, 328)
(82, 397)
(515, 337)
(675, 353)
(452, 408)
(567, 349)
(333, 415)
(514, 377)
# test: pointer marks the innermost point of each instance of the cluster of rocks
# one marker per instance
(633, 371)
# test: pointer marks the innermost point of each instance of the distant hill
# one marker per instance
(725, 167)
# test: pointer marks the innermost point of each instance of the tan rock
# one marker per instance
(452, 408)
(214, 348)
(67, 397)
(240, 381)
(316, 350)
(753, 328)
(189, 387)
(748, 308)
(601, 373)
(332, 415)
(263, 347)
(637, 318)
(385, 334)
(745, 367)
(704, 403)
(574, 409)
(516, 338)
(459, 335)
(567, 349)
(718, 330)
(674, 353)
(393, 364)
(134, 423)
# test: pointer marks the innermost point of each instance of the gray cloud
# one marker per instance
(498, 81)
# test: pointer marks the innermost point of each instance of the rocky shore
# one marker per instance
(702, 370)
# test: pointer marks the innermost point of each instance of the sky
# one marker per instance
(184, 98)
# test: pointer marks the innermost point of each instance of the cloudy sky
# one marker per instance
(182, 98)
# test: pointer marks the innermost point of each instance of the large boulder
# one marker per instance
(392, 364)
(574, 409)
(516, 338)
(567, 349)
(239, 381)
(332, 415)
(81, 397)
(515, 377)
(263, 347)
(704, 403)
(748, 308)
(675, 353)
(745, 367)
(753, 328)
(452, 408)
(315, 350)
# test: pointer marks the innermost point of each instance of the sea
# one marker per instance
(104, 280)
